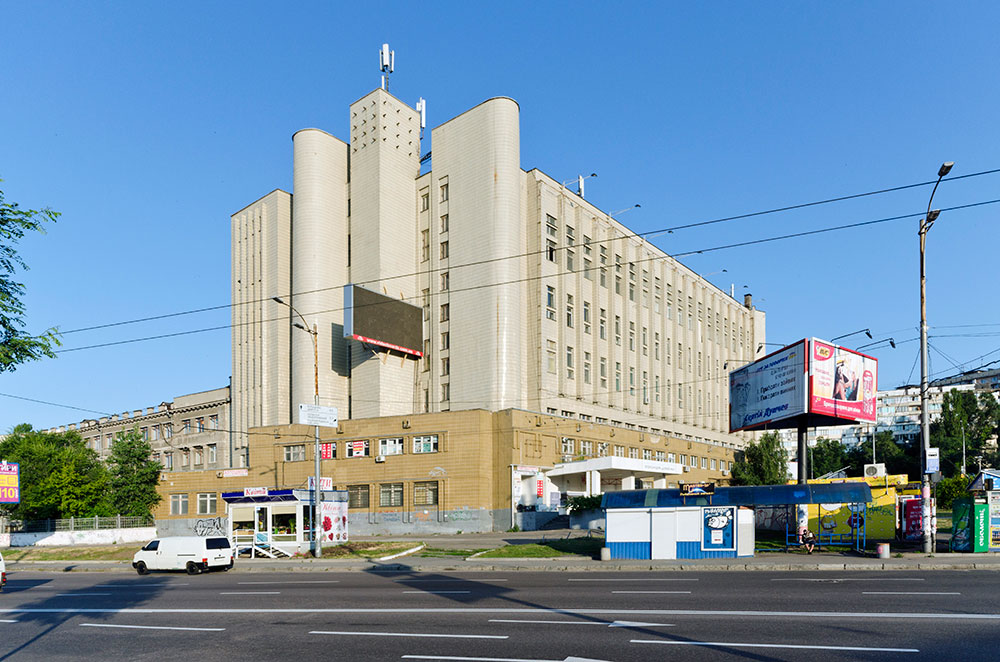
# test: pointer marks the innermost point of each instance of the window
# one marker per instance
(619, 451)
(168, 461)
(647, 454)
(588, 269)
(186, 425)
(645, 342)
(550, 302)
(425, 493)
(178, 504)
(425, 444)
(570, 256)
(168, 430)
(444, 281)
(551, 356)
(570, 235)
(587, 250)
(445, 392)
(357, 496)
(444, 250)
(391, 446)
(704, 463)
(618, 330)
(604, 373)
(631, 336)
(206, 503)
(550, 250)
(586, 447)
(568, 445)
(602, 448)
(444, 193)
(295, 453)
(357, 448)
(213, 421)
(426, 296)
(660, 456)
(425, 245)
(145, 433)
(425, 202)
(633, 453)
(631, 381)
(569, 310)
(694, 462)
(604, 277)
(201, 424)
(445, 340)
(602, 324)
(390, 494)
(445, 312)
(618, 376)
(713, 464)
(586, 367)
(569, 363)
(656, 346)
(551, 226)
(586, 317)
(199, 455)
(444, 223)
(185, 456)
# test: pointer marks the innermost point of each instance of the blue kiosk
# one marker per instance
(692, 524)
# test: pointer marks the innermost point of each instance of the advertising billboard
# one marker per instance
(842, 382)
(10, 482)
(769, 390)
(379, 320)
(813, 382)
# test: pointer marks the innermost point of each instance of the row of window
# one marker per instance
(156, 432)
(425, 493)
(428, 443)
(603, 449)
(188, 457)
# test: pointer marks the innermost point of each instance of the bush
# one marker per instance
(950, 489)
(581, 503)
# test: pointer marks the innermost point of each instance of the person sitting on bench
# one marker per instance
(807, 539)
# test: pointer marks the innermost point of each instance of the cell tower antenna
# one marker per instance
(422, 109)
(386, 63)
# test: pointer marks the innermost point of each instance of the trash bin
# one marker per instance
(883, 550)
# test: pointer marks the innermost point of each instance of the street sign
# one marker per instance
(325, 417)
(933, 461)
(325, 482)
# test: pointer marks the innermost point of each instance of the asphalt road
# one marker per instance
(530, 616)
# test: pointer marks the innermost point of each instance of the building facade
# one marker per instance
(532, 297)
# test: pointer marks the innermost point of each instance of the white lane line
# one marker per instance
(311, 581)
(8, 620)
(733, 644)
(851, 579)
(148, 627)
(628, 613)
(476, 659)
(445, 581)
(610, 624)
(672, 592)
(171, 585)
(250, 593)
(620, 581)
(74, 595)
(413, 634)
(910, 593)
(438, 592)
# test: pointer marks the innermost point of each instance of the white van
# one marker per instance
(192, 553)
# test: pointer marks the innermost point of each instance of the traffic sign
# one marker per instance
(318, 415)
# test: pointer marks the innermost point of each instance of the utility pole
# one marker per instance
(925, 426)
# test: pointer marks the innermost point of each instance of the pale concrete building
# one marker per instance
(532, 297)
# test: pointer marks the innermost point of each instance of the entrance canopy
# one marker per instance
(271, 497)
(756, 495)
(617, 467)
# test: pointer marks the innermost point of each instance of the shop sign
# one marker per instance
(540, 487)
(10, 482)
(325, 482)
(697, 489)
(718, 528)
(234, 473)
(254, 491)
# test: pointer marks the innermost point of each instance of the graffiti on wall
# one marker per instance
(215, 526)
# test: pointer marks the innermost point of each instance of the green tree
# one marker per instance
(763, 462)
(975, 417)
(897, 459)
(134, 475)
(16, 346)
(60, 476)
(828, 455)
(949, 489)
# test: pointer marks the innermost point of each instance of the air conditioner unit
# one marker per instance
(874, 470)
(567, 458)
(725, 472)
(380, 458)
(218, 474)
(686, 469)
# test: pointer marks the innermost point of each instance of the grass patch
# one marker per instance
(366, 549)
(944, 521)
(590, 547)
(72, 553)
(437, 552)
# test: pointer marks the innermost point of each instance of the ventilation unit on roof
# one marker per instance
(874, 470)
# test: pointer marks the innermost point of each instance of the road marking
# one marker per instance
(250, 593)
(852, 579)
(631, 613)
(632, 580)
(149, 627)
(614, 624)
(414, 634)
(438, 592)
(311, 581)
(74, 595)
(475, 659)
(732, 644)
(910, 593)
(651, 591)
(445, 581)
(164, 585)
(8, 620)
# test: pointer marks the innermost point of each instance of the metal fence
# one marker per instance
(73, 524)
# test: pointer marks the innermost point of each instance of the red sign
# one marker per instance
(913, 519)
(326, 451)
(540, 487)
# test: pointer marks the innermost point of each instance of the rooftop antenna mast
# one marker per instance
(422, 109)
(386, 63)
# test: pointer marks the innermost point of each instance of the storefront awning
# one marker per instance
(611, 465)
(756, 495)
(270, 496)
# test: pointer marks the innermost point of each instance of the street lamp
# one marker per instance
(579, 180)
(317, 539)
(891, 341)
(622, 211)
(867, 332)
(925, 427)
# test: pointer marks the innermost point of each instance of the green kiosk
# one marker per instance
(976, 517)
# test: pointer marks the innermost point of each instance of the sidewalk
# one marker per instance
(774, 561)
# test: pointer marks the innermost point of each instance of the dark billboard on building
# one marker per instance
(376, 319)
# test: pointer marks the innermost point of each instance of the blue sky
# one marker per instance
(147, 126)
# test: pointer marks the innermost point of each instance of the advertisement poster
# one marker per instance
(843, 383)
(334, 522)
(768, 390)
(994, 520)
(10, 482)
(326, 451)
(913, 528)
(718, 532)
